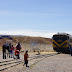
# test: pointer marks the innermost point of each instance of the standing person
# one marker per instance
(26, 59)
(4, 51)
(9, 50)
(18, 47)
(12, 52)
(8, 53)
(70, 48)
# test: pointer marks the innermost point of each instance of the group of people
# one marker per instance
(10, 50)
(14, 52)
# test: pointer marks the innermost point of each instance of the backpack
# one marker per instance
(18, 47)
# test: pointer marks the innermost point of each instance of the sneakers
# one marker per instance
(27, 66)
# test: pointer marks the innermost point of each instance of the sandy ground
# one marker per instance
(58, 63)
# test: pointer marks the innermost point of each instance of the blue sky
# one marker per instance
(38, 17)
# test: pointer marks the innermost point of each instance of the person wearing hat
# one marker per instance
(26, 58)
(18, 47)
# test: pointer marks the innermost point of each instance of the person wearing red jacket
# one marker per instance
(12, 52)
(26, 59)
(17, 54)
(18, 47)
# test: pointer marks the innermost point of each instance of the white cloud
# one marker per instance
(28, 33)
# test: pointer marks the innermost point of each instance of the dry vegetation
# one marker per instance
(28, 40)
(44, 44)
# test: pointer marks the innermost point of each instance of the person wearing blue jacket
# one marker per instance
(70, 48)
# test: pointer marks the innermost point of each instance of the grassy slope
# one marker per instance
(27, 40)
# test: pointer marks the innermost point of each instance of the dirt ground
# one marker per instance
(58, 63)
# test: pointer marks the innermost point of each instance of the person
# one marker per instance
(4, 51)
(17, 54)
(70, 49)
(18, 47)
(26, 59)
(12, 52)
(9, 50)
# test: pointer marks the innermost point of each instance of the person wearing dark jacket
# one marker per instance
(18, 47)
(4, 51)
(70, 49)
(26, 59)
(9, 50)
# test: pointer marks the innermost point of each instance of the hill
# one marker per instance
(27, 39)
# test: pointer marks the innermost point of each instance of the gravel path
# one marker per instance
(58, 63)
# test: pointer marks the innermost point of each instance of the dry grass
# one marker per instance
(38, 47)
(28, 40)
(43, 44)
(0, 48)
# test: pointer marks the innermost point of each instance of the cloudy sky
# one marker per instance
(35, 17)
